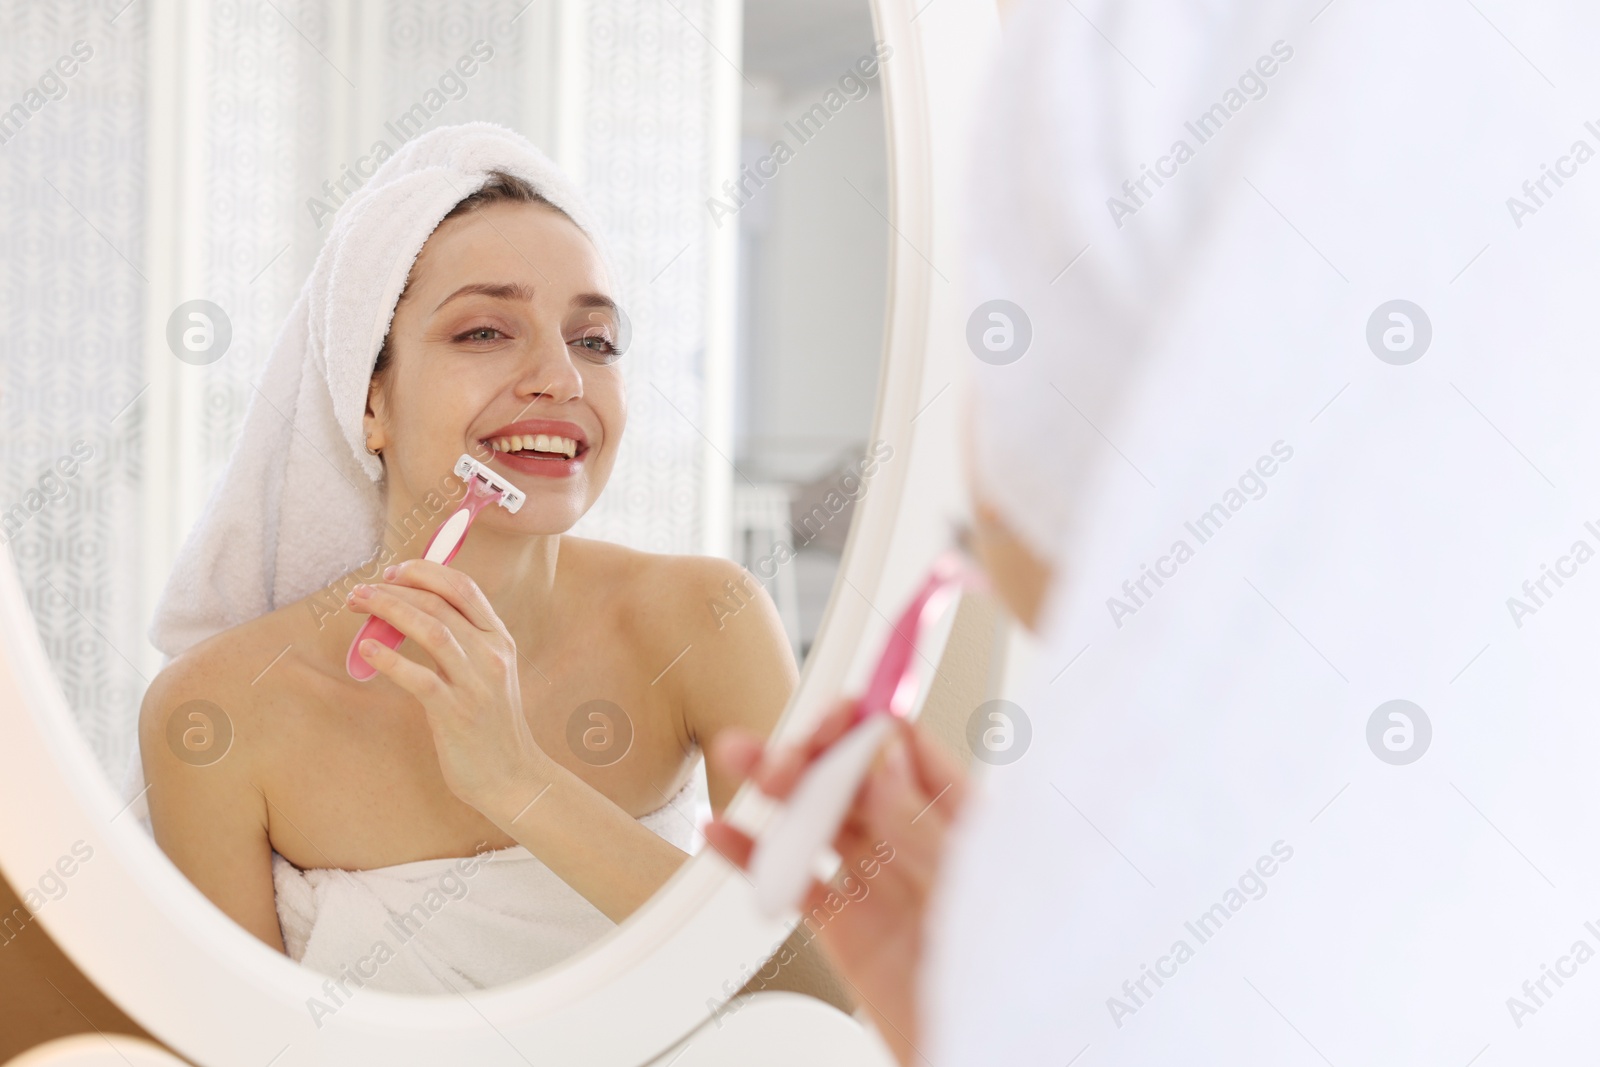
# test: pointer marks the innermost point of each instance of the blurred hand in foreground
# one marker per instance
(892, 841)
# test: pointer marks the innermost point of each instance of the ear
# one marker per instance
(376, 416)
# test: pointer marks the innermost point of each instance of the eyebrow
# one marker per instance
(524, 293)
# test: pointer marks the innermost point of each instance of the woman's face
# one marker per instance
(504, 347)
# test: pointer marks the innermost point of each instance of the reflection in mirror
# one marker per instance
(675, 366)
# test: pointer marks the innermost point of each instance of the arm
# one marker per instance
(739, 689)
(560, 818)
(487, 754)
(489, 759)
(738, 673)
(209, 819)
(741, 672)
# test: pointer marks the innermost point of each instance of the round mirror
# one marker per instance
(504, 821)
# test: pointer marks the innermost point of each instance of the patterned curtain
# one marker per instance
(72, 240)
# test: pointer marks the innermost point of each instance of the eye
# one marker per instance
(479, 335)
(598, 348)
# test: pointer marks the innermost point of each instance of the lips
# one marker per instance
(546, 448)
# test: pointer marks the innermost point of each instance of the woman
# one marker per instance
(1304, 786)
(553, 693)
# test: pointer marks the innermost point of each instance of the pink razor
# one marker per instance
(785, 855)
(484, 487)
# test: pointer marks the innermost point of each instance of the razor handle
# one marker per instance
(442, 548)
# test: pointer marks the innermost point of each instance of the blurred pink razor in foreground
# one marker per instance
(785, 854)
(484, 487)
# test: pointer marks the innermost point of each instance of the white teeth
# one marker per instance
(537, 442)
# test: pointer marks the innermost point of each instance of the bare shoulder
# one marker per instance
(193, 724)
(206, 812)
(714, 624)
(219, 671)
(680, 598)
(198, 675)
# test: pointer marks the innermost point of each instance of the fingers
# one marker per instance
(911, 794)
(934, 771)
(735, 752)
(913, 778)
(732, 844)
(780, 771)
(408, 674)
(833, 726)
(736, 847)
(419, 615)
(815, 897)
(457, 589)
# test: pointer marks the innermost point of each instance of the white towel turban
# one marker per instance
(301, 500)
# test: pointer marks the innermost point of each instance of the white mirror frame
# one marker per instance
(193, 978)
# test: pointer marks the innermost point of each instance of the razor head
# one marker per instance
(478, 476)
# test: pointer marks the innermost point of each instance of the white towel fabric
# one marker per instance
(439, 926)
(301, 500)
(1209, 854)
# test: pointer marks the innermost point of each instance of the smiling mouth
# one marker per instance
(537, 446)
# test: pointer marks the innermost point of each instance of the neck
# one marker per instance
(516, 571)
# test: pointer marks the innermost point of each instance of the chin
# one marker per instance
(558, 492)
(542, 514)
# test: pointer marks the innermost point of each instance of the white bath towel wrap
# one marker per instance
(443, 925)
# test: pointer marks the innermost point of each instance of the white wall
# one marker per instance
(816, 251)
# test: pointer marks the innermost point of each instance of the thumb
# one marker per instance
(935, 772)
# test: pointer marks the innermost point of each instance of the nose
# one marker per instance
(549, 369)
